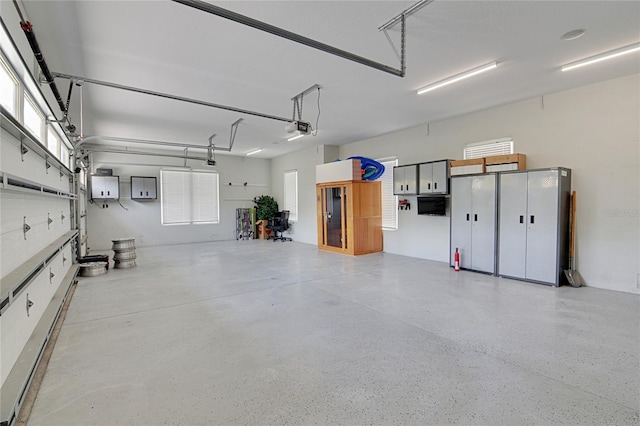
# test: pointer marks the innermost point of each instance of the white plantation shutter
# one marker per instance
(32, 118)
(291, 194)
(389, 201)
(9, 86)
(189, 197)
(487, 148)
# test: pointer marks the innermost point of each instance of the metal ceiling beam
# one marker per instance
(168, 96)
(262, 26)
(408, 11)
(140, 141)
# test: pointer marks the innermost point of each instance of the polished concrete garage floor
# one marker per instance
(263, 333)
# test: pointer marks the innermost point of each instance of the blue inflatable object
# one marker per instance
(372, 169)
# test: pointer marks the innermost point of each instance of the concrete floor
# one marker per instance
(263, 333)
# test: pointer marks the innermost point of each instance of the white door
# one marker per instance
(137, 187)
(512, 246)
(411, 180)
(440, 177)
(483, 223)
(150, 188)
(112, 187)
(542, 226)
(461, 220)
(426, 178)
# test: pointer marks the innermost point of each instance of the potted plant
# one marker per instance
(266, 208)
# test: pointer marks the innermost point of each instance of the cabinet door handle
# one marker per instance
(428, 186)
(467, 217)
(401, 187)
(108, 192)
(407, 187)
(101, 192)
(147, 193)
(532, 219)
(475, 217)
(521, 219)
(140, 193)
(435, 185)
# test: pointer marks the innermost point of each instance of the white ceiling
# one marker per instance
(167, 47)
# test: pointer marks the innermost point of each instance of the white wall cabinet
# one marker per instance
(143, 188)
(405, 180)
(434, 178)
(533, 224)
(105, 187)
(473, 221)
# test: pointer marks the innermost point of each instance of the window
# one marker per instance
(291, 194)
(64, 154)
(52, 142)
(189, 197)
(32, 118)
(389, 201)
(487, 148)
(8, 88)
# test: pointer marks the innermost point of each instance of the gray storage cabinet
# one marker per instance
(143, 188)
(474, 221)
(434, 178)
(534, 224)
(405, 180)
(105, 187)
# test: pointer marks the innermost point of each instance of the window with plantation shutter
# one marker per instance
(9, 84)
(189, 197)
(291, 194)
(32, 118)
(389, 201)
(487, 148)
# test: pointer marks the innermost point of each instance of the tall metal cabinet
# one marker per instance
(534, 220)
(473, 221)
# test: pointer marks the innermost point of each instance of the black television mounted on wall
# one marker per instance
(432, 206)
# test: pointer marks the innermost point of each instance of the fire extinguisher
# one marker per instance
(456, 261)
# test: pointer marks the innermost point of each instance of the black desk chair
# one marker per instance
(279, 223)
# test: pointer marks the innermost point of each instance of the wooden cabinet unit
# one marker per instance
(350, 216)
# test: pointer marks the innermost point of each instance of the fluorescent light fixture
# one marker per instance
(255, 151)
(458, 77)
(293, 138)
(602, 57)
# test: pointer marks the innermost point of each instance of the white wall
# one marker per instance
(141, 220)
(594, 130)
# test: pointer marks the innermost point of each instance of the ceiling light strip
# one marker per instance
(602, 57)
(293, 138)
(255, 151)
(457, 77)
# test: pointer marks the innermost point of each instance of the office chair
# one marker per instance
(279, 223)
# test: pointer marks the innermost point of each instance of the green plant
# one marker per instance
(266, 207)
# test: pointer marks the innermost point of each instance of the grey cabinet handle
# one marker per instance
(467, 217)
(521, 219)
(532, 219)
(475, 217)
